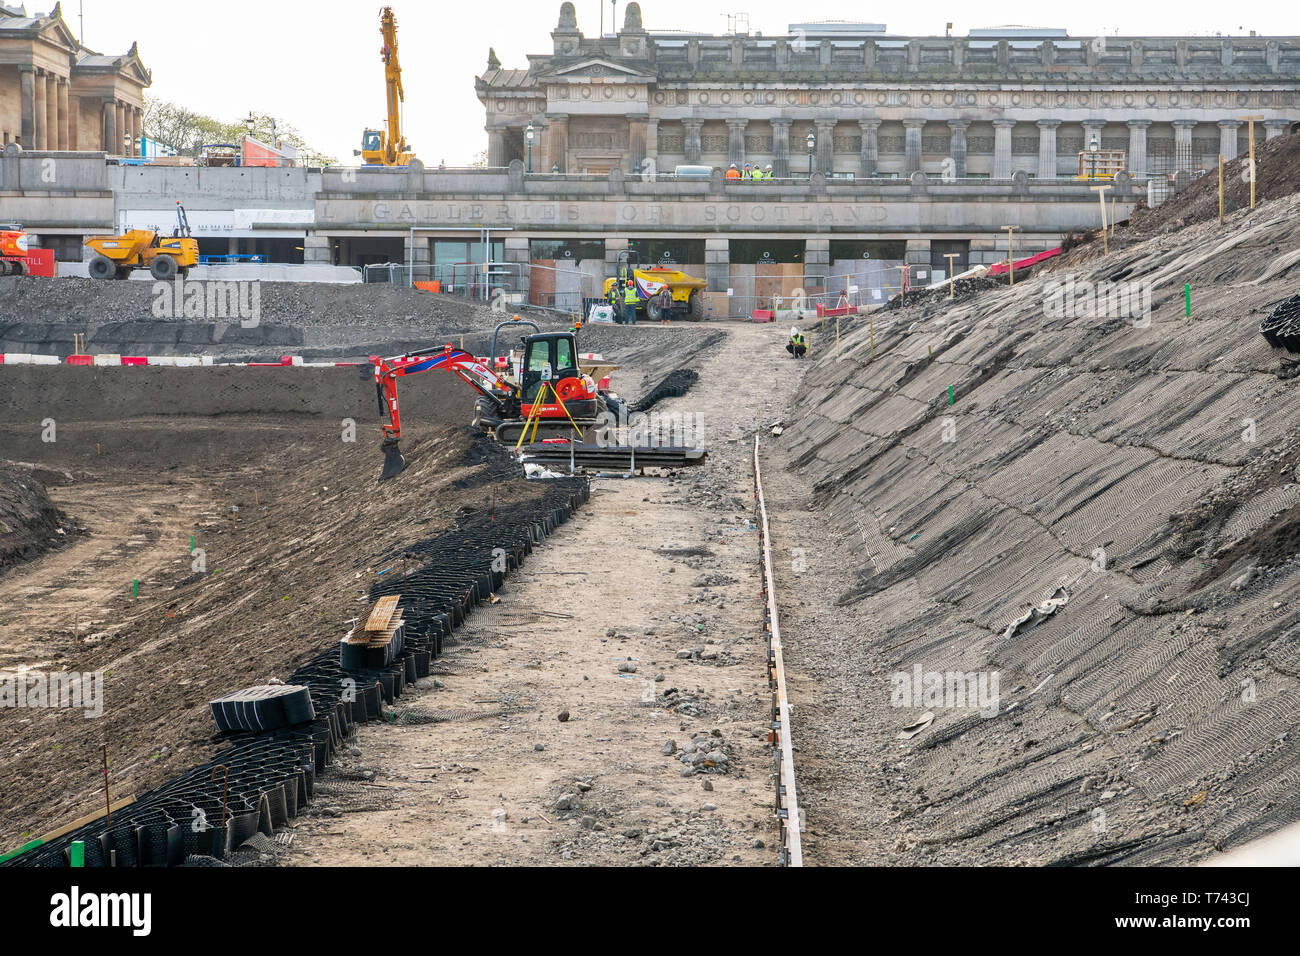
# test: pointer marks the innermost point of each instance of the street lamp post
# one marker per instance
(529, 133)
(812, 145)
(1092, 148)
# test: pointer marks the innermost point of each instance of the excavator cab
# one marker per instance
(549, 359)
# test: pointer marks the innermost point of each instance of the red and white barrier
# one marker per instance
(162, 361)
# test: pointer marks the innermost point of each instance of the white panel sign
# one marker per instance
(210, 223)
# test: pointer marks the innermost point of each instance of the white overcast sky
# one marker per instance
(316, 62)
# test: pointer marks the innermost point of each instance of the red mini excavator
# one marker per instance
(545, 390)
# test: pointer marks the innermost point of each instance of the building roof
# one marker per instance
(508, 79)
(15, 20)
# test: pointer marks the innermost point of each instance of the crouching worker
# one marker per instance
(798, 345)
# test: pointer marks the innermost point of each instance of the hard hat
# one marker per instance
(769, 165)
(794, 331)
(733, 165)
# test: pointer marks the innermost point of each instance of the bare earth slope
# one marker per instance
(1147, 474)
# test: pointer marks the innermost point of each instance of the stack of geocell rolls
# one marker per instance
(265, 707)
(375, 641)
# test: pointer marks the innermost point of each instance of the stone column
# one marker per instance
(636, 137)
(123, 129)
(958, 147)
(1183, 144)
(912, 144)
(652, 142)
(1047, 148)
(27, 107)
(317, 249)
(816, 263)
(1092, 129)
(717, 265)
(781, 148)
(41, 115)
(74, 120)
(51, 111)
(1273, 128)
(736, 142)
(869, 156)
(516, 251)
(1137, 147)
(557, 142)
(825, 159)
(416, 250)
(1002, 148)
(869, 151)
(1228, 139)
(692, 128)
(110, 127)
(65, 136)
(137, 125)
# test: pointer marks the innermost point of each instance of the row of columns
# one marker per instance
(869, 154)
(50, 120)
(121, 120)
(644, 142)
(48, 114)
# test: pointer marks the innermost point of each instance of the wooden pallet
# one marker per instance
(382, 613)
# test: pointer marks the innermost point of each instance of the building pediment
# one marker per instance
(56, 31)
(128, 65)
(588, 70)
(50, 28)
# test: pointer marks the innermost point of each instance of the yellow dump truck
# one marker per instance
(687, 291)
(116, 257)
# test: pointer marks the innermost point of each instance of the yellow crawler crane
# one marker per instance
(380, 148)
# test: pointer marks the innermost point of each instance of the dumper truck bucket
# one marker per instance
(394, 463)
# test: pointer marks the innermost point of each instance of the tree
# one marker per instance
(178, 127)
(185, 131)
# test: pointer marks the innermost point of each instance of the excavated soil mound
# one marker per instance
(29, 522)
(289, 303)
(1277, 174)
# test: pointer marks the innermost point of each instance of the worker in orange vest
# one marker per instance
(733, 172)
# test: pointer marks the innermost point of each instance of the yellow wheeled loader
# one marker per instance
(116, 257)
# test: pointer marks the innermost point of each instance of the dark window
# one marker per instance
(940, 249)
(763, 251)
(866, 249)
(668, 252)
(575, 249)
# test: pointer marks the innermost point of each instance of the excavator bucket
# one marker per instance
(394, 463)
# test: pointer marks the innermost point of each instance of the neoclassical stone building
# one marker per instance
(56, 94)
(877, 104)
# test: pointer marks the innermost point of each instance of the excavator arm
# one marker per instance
(448, 359)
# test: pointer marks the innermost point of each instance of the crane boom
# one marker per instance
(388, 147)
(393, 82)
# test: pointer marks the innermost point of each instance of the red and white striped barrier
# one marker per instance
(162, 361)
(27, 358)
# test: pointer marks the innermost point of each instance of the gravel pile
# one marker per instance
(298, 304)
